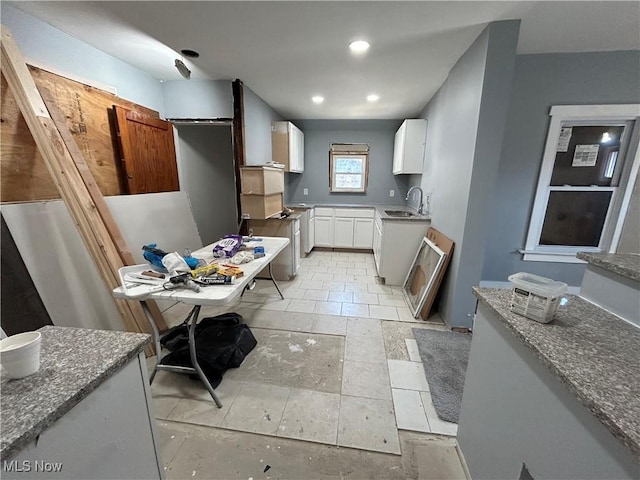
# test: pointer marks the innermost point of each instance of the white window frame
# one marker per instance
(353, 150)
(584, 114)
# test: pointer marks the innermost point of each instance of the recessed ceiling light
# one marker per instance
(189, 53)
(359, 46)
(183, 69)
(373, 98)
(317, 99)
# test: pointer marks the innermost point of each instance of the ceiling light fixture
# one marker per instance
(317, 99)
(183, 69)
(190, 53)
(359, 46)
(373, 98)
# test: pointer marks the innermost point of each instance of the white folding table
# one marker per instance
(214, 295)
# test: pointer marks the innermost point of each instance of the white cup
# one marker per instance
(20, 354)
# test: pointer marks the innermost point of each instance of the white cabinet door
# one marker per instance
(312, 234)
(300, 149)
(409, 147)
(363, 233)
(296, 149)
(343, 232)
(296, 249)
(287, 146)
(324, 231)
(398, 148)
(377, 245)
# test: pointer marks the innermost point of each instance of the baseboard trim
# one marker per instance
(463, 462)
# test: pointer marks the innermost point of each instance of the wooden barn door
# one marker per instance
(148, 152)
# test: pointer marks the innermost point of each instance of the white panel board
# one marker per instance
(61, 268)
(162, 218)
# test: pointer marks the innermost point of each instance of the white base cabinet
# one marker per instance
(363, 233)
(343, 232)
(395, 244)
(344, 227)
(108, 435)
(311, 241)
(286, 264)
(307, 231)
(323, 230)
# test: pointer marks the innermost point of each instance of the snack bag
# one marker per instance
(228, 246)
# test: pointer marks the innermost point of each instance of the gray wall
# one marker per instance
(464, 133)
(207, 176)
(541, 81)
(515, 411)
(198, 99)
(319, 134)
(258, 116)
(48, 47)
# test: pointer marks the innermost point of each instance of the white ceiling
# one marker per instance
(286, 52)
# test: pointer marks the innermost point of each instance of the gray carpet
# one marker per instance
(444, 356)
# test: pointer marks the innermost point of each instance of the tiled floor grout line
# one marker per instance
(337, 286)
(283, 410)
(232, 401)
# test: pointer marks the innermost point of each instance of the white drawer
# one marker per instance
(324, 212)
(355, 212)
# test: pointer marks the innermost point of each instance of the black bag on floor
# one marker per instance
(222, 342)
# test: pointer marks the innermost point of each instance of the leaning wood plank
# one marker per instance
(96, 195)
(66, 177)
(239, 151)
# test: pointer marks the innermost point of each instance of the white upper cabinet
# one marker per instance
(408, 148)
(287, 146)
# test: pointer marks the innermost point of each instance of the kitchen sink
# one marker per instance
(399, 213)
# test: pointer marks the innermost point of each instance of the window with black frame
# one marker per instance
(583, 191)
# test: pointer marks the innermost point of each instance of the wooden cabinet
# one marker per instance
(396, 243)
(408, 147)
(262, 191)
(261, 180)
(287, 146)
(286, 264)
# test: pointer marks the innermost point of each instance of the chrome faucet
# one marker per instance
(421, 205)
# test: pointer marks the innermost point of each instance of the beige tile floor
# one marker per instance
(335, 364)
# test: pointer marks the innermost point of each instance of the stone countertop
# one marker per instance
(379, 208)
(594, 354)
(288, 218)
(625, 264)
(73, 363)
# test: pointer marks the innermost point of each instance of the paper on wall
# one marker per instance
(565, 137)
(585, 155)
